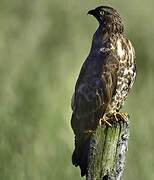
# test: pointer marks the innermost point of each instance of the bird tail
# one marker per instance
(80, 154)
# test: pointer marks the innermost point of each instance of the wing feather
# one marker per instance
(94, 90)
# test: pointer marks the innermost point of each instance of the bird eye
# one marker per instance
(102, 12)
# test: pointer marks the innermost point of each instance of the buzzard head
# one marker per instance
(108, 17)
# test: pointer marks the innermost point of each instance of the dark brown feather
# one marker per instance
(104, 81)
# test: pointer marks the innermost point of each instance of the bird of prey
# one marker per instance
(105, 79)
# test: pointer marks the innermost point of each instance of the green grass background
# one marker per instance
(42, 47)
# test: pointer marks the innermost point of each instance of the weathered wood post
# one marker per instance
(107, 153)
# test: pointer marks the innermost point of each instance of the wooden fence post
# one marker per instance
(107, 152)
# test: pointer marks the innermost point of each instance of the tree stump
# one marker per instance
(107, 152)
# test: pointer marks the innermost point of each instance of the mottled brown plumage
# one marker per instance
(104, 81)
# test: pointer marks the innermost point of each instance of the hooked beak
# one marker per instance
(95, 13)
(92, 12)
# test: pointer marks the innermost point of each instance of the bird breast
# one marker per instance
(124, 52)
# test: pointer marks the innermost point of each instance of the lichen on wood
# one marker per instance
(107, 152)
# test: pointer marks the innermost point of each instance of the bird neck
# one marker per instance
(103, 34)
(114, 27)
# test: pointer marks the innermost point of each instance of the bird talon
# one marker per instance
(100, 122)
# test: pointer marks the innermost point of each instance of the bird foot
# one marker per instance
(105, 121)
(120, 116)
(115, 117)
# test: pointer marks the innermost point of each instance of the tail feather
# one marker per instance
(80, 154)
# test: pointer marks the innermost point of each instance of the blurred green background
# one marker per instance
(42, 47)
